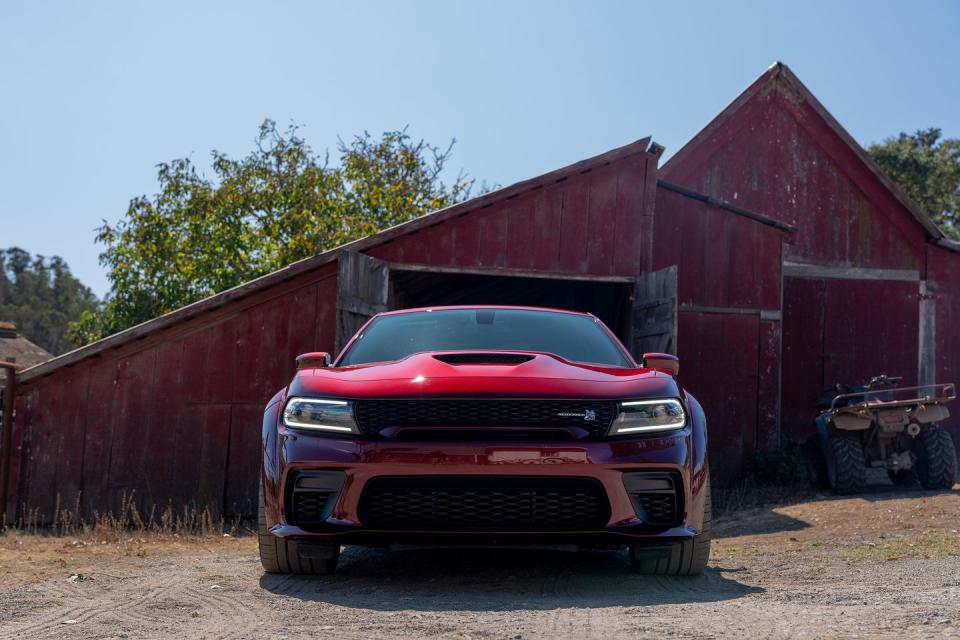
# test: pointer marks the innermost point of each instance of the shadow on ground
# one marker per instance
(497, 580)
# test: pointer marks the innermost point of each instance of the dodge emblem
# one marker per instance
(588, 415)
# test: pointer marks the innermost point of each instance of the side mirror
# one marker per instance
(663, 361)
(313, 359)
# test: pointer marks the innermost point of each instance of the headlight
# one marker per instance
(638, 416)
(316, 414)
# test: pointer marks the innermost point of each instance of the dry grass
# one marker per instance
(130, 519)
(934, 544)
(750, 495)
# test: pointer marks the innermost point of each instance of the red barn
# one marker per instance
(733, 255)
(868, 279)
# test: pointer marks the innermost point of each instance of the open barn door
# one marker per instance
(655, 313)
(363, 286)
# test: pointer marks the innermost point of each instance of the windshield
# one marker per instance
(572, 337)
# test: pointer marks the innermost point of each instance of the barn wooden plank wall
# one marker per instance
(729, 347)
(173, 421)
(943, 292)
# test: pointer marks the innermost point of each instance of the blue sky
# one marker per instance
(94, 94)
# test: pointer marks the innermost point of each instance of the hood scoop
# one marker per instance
(483, 358)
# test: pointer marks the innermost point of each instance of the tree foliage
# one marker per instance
(927, 167)
(280, 203)
(42, 297)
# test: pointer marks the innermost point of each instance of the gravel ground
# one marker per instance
(883, 565)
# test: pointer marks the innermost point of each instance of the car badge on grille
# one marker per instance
(588, 415)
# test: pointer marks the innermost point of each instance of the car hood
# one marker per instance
(425, 374)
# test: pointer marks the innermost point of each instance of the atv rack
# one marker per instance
(939, 394)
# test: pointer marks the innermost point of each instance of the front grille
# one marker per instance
(484, 503)
(375, 415)
(483, 358)
(484, 434)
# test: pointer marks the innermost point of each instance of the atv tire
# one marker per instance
(815, 463)
(936, 458)
(846, 464)
(279, 555)
(686, 558)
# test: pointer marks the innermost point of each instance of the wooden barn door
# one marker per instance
(655, 313)
(363, 290)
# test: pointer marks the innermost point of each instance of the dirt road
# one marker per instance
(884, 565)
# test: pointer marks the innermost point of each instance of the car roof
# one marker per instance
(499, 307)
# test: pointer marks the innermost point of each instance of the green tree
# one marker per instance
(42, 297)
(280, 203)
(927, 167)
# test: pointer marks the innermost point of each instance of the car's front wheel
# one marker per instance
(279, 555)
(687, 558)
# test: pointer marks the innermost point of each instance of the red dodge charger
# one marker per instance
(485, 425)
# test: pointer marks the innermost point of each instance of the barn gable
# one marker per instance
(777, 150)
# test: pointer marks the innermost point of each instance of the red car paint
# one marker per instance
(544, 376)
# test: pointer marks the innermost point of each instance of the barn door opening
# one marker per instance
(655, 313)
(607, 298)
(363, 290)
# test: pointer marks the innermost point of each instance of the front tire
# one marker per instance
(936, 464)
(279, 555)
(846, 464)
(687, 558)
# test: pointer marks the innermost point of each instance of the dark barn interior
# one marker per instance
(608, 300)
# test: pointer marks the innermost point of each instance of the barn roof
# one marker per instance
(17, 349)
(315, 262)
(779, 74)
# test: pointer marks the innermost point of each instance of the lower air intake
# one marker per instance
(484, 503)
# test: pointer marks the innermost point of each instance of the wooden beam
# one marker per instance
(927, 338)
(765, 314)
(839, 272)
(726, 206)
(509, 273)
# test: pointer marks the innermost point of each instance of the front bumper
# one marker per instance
(603, 461)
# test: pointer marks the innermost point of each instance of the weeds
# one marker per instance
(128, 518)
(934, 544)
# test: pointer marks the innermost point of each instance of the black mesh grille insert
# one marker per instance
(483, 358)
(593, 415)
(308, 506)
(312, 495)
(656, 496)
(484, 503)
(658, 508)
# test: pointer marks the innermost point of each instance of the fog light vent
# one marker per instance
(312, 495)
(656, 497)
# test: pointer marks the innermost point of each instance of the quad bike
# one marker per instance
(880, 425)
